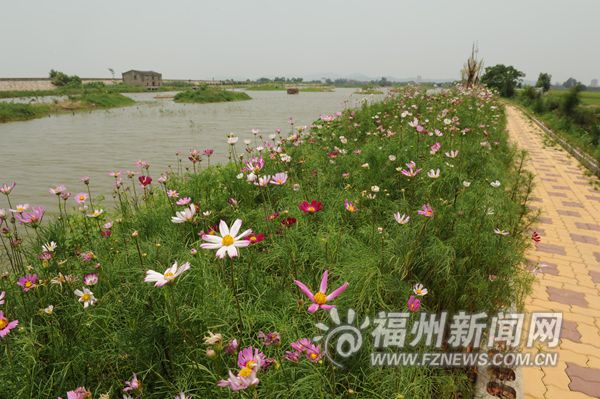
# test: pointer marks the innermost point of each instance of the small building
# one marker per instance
(149, 79)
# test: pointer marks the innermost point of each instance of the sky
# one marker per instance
(198, 39)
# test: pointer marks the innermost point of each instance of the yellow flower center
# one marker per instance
(351, 208)
(227, 240)
(3, 323)
(245, 372)
(310, 209)
(85, 297)
(313, 356)
(253, 238)
(168, 274)
(320, 298)
(418, 292)
(28, 284)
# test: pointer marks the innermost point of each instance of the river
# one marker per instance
(60, 149)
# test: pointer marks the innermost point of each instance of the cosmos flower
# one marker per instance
(20, 208)
(241, 381)
(320, 299)
(145, 180)
(501, 232)
(183, 201)
(536, 237)
(28, 282)
(90, 279)
(349, 206)
(95, 214)
(289, 221)
(31, 218)
(279, 179)
(263, 181)
(58, 190)
(255, 238)
(49, 246)
(228, 241)
(172, 194)
(495, 183)
(7, 188)
(5, 325)
(452, 154)
(232, 139)
(250, 358)
(419, 290)
(81, 198)
(213, 339)
(435, 148)
(2, 296)
(187, 215)
(86, 297)
(426, 210)
(160, 279)
(313, 207)
(79, 393)
(208, 152)
(413, 304)
(434, 174)
(412, 169)
(401, 219)
(271, 338)
(133, 385)
(467, 184)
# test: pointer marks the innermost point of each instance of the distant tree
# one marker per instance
(571, 100)
(571, 82)
(544, 81)
(503, 78)
(60, 79)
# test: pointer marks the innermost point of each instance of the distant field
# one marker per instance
(587, 97)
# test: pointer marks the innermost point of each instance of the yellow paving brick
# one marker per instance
(532, 381)
(556, 376)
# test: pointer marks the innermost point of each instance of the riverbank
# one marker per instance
(284, 87)
(360, 200)
(11, 112)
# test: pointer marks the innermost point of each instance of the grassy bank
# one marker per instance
(90, 100)
(573, 114)
(89, 87)
(210, 95)
(317, 199)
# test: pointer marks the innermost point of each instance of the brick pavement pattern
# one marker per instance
(570, 249)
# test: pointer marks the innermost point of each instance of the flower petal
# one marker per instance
(337, 292)
(304, 289)
(235, 227)
(323, 286)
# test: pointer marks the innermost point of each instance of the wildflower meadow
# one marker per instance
(207, 280)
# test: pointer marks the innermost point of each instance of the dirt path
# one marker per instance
(570, 249)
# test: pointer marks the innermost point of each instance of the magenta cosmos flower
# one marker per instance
(31, 218)
(28, 282)
(413, 304)
(313, 207)
(5, 325)
(350, 207)
(250, 358)
(320, 299)
(426, 211)
(145, 180)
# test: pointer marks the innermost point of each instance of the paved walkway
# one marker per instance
(570, 247)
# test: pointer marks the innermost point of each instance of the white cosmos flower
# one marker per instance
(184, 216)
(501, 232)
(49, 246)
(86, 297)
(434, 174)
(228, 242)
(49, 309)
(495, 183)
(392, 158)
(419, 290)
(95, 213)
(375, 189)
(452, 154)
(401, 219)
(160, 279)
(231, 139)
(467, 184)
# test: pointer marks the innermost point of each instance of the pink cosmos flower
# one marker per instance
(208, 152)
(279, 179)
(194, 156)
(320, 299)
(435, 148)
(2, 296)
(85, 180)
(31, 218)
(239, 382)
(231, 346)
(184, 201)
(87, 256)
(414, 304)
(28, 282)
(58, 190)
(79, 393)
(173, 194)
(251, 358)
(349, 206)
(272, 338)
(426, 211)
(142, 164)
(7, 188)
(306, 347)
(90, 279)
(5, 325)
(115, 174)
(412, 169)
(81, 198)
(132, 385)
(254, 165)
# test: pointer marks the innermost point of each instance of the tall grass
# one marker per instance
(158, 332)
(207, 94)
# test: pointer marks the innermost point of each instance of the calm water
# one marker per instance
(60, 149)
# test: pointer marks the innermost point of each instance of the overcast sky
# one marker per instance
(252, 38)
